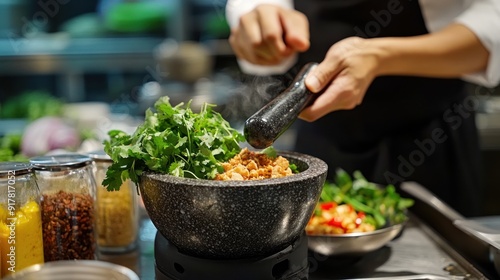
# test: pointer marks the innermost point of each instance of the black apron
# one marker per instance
(407, 128)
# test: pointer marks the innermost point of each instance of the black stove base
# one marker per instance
(288, 264)
(243, 275)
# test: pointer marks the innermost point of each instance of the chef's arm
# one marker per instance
(351, 65)
(451, 52)
(462, 44)
(482, 17)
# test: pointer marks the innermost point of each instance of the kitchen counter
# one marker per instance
(418, 253)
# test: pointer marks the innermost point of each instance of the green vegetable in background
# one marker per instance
(31, 105)
(172, 140)
(381, 205)
(137, 16)
(11, 142)
(10, 148)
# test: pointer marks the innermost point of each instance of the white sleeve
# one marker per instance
(234, 10)
(480, 16)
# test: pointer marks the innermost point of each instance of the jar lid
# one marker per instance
(60, 162)
(14, 168)
(99, 155)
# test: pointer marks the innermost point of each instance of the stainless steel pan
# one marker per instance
(486, 229)
(454, 228)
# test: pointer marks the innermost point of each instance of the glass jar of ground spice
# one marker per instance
(20, 221)
(68, 204)
(118, 216)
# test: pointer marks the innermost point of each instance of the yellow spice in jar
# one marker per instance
(116, 220)
(21, 243)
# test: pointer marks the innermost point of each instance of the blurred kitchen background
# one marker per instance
(99, 64)
(107, 50)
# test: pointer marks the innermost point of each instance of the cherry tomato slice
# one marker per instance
(336, 222)
(327, 205)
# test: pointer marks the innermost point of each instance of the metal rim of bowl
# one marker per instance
(386, 232)
(69, 264)
(360, 234)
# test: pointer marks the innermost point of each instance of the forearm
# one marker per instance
(451, 52)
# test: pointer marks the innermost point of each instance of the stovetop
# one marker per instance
(288, 264)
(416, 254)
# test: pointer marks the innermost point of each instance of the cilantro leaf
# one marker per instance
(172, 140)
(270, 152)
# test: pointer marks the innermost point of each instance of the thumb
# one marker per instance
(321, 75)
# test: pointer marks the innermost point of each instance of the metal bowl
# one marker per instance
(75, 270)
(353, 244)
(234, 219)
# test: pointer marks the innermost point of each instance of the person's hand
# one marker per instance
(269, 34)
(342, 77)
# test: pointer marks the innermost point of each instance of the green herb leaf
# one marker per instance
(270, 152)
(172, 140)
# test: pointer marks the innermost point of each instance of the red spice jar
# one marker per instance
(68, 203)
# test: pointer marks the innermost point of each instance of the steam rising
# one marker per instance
(253, 93)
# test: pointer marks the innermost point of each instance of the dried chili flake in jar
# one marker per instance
(68, 226)
(68, 205)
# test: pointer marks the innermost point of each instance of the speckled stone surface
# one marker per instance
(234, 219)
(268, 123)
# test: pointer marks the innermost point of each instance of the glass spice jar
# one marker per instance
(68, 203)
(118, 216)
(21, 242)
